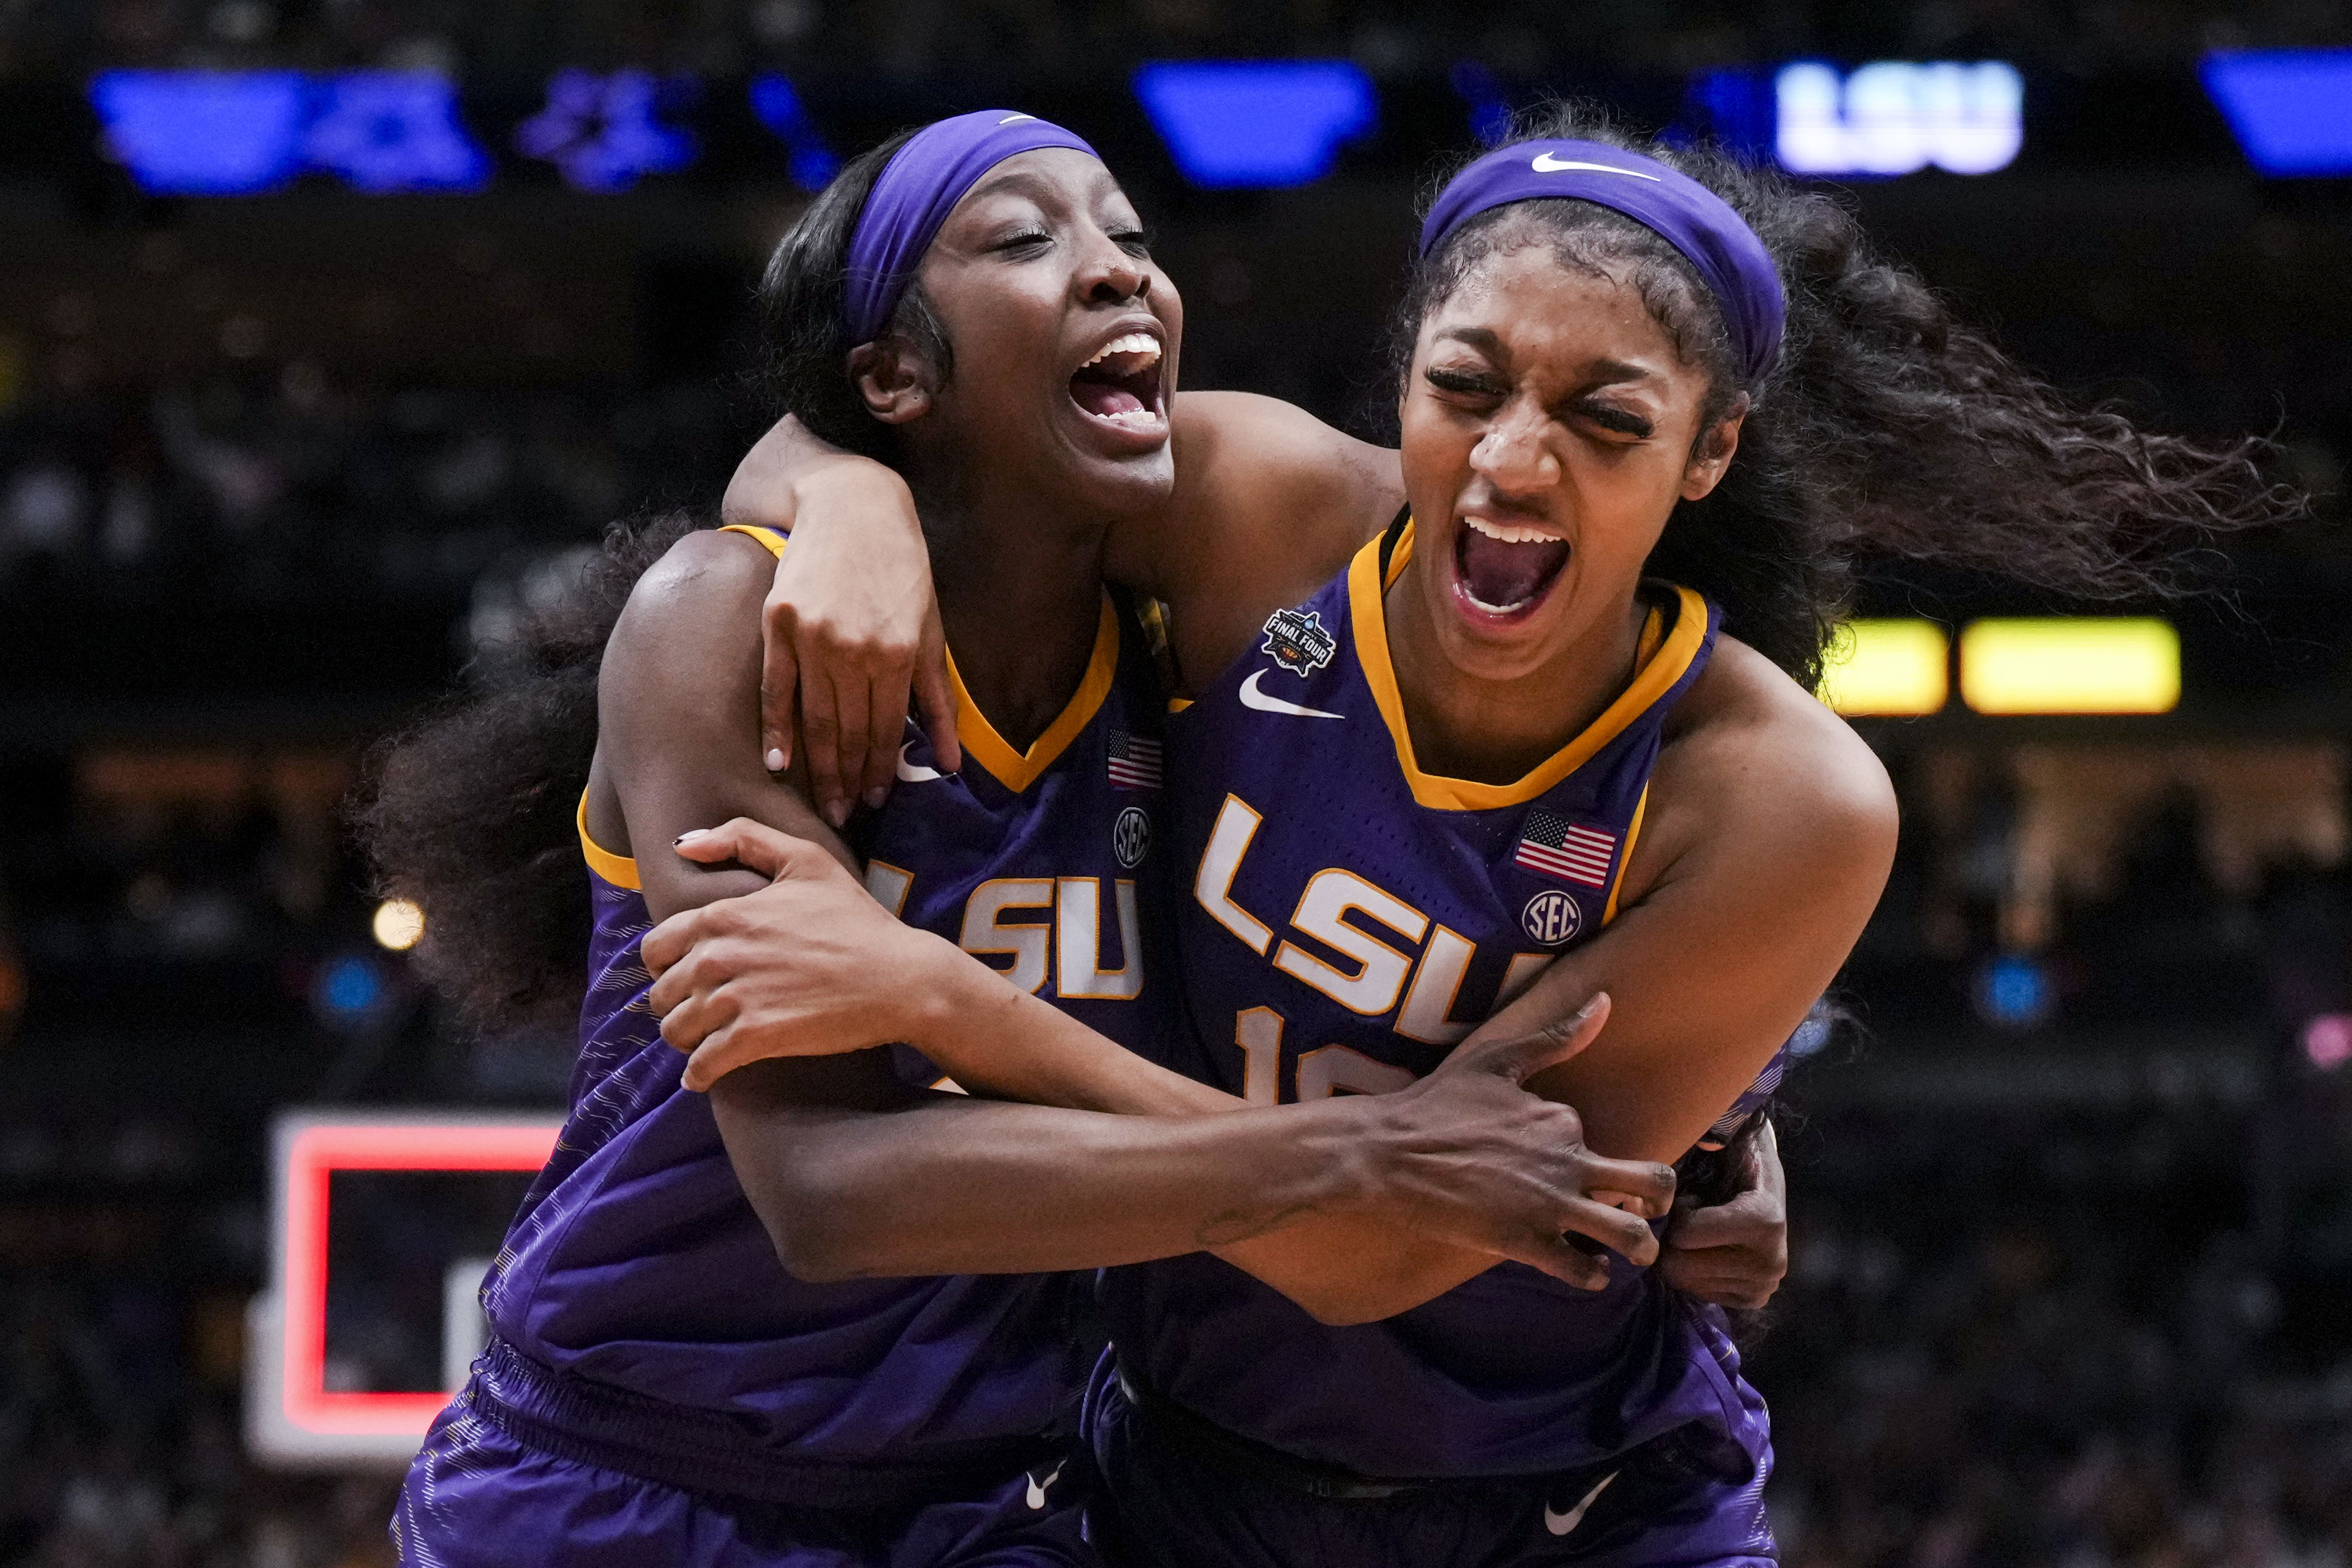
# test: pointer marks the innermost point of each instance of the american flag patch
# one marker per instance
(1558, 847)
(1134, 761)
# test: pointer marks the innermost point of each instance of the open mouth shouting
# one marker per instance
(1502, 571)
(1118, 390)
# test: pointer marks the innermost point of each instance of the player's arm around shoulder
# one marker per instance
(1269, 503)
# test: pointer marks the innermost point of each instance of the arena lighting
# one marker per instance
(604, 131)
(2015, 991)
(235, 133)
(1489, 105)
(2056, 665)
(2291, 110)
(290, 1412)
(2328, 1041)
(1233, 124)
(203, 133)
(350, 988)
(1892, 117)
(398, 925)
(1888, 667)
(809, 160)
(394, 130)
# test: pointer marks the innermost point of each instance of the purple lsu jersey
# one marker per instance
(637, 1263)
(1351, 918)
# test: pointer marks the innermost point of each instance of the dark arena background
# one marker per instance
(333, 332)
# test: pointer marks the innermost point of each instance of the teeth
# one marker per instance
(1495, 609)
(1133, 416)
(1511, 533)
(1132, 343)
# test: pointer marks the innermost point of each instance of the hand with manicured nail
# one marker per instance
(726, 993)
(850, 634)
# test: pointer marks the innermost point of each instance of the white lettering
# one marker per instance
(1214, 884)
(1381, 968)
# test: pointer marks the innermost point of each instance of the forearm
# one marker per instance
(1355, 1267)
(1341, 1267)
(995, 1040)
(948, 1185)
(787, 466)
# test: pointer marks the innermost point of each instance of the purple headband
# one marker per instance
(1731, 261)
(917, 189)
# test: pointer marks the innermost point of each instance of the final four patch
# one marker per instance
(1298, 642)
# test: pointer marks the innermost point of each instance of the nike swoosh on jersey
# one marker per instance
(1545, 163)
(915, 772)
(1253, 697)
(1561, 1523)
(1037, 1488)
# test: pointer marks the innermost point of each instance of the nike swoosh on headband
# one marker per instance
(1545, 163)
(915, 772)
(1253, 697)
(1561, 1523)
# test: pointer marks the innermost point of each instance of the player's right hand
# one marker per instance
(1472, 1157)
(808, 965)
(849, 630)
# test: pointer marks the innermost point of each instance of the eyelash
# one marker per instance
(1460, 384)
(1619, 423)
(1136, 242)
(1616, 421)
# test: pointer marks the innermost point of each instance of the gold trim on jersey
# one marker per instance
(1670, 653)
(618, 870)
(768, 536)
(1625, 855)
(1016, 770)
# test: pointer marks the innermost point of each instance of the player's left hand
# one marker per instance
(808, 965)
(1735, 1254)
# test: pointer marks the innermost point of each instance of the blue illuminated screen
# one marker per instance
(1238, 123)
(2291, 110)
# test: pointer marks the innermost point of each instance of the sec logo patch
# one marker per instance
(1551, 918)
(1130, 837)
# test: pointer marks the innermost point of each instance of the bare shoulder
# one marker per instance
(701, 572)
(1269, 440)
(1752, 758)
(1255, 474)
(1270, 503)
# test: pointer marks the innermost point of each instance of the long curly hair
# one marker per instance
(1888, 432)
(468, 812)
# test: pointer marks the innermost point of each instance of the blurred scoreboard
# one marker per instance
(382, 1226)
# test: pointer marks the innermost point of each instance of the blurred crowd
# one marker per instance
(279, 480)
(2054, 1382)
(917, 37)
(2061, 1346)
